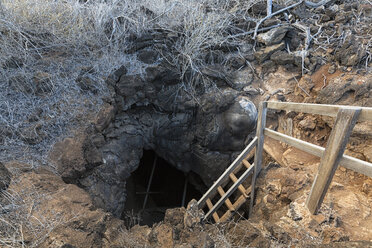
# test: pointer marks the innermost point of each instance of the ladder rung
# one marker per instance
(210, 206)
(228, 203)
(239, 167)
(225, 176)
(241, 200)
(241, 188)
(246, 163)
(231, 190)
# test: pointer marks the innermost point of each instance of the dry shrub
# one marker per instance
(47, 46)
(19, 226)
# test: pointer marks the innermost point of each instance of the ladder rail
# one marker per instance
(225, 176)
(241, 200)
(230, 191)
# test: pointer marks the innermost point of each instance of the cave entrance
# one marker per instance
(154, 187)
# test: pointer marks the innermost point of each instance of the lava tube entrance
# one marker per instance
(154, 187)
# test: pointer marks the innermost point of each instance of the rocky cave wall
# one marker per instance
(201, 133)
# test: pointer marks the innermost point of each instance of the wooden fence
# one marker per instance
(331, 156)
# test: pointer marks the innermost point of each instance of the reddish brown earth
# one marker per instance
(63, 215)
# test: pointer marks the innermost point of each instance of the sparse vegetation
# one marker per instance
(55, 56)
(47, 46)
(18, 223)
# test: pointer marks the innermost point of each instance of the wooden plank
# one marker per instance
(228, 203)
(230, 191)
(261, 124)
(241, 187)
(300, 144)
(240, 166)
(210, 206)
(246, 163)
(345, 121)
(241, 200)
(348, 162)
(321, 109)
(360, 166)
(225, 176)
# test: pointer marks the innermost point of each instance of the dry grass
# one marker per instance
(19, 226)
(59, 40)
(46, 45)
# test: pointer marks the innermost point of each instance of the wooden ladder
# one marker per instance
(241, 162)
(229, 176)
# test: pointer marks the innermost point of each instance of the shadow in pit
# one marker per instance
(169, 188)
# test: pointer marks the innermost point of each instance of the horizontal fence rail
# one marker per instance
(348, 162)
(320, 109)
(333, 154)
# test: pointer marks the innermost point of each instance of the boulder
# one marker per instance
(282, 58)
(74, 157)
(152, 111)
(274, 36)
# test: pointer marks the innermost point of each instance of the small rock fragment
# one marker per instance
(250, 90)
(147, 56)
(193, 215)
(274, 36)
(32, 134)
(308, 123)
(332, 69)
(265, 53)
(104, 117)
(282, 58)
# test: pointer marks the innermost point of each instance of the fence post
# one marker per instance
(344, 124)
(261, 124)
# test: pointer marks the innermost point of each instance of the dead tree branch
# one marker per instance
(252, 31)
(269, 8)
(274, 14)
(270, 14)
(306, 30)
(316, 5)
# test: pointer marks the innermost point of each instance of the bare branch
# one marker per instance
(269, 7)
(316, 5)
(274, 14)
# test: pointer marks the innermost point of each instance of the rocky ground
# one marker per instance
(198, 115)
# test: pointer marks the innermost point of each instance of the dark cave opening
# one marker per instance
(169, 188)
